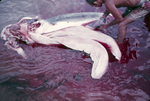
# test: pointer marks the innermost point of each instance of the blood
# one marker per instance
(110, 55)
(56, 72)
(127, 52)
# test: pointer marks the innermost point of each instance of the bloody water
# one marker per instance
(56, 73)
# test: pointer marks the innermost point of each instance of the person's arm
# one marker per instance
(115, 12)
(113, 22)
(110, 6)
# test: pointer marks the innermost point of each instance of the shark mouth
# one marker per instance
(72, 35)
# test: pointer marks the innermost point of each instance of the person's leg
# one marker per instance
(122, 29)
(132, 16)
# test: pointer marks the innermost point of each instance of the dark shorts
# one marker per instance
(137, 12)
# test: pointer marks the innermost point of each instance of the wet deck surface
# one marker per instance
(55, 73)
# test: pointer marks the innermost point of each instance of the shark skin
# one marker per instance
(73, 35)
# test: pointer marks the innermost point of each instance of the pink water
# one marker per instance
(56, 73)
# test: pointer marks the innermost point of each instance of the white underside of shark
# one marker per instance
(74, 36)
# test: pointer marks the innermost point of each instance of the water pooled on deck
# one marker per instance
(56, 73)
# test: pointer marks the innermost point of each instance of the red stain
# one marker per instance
(127, 52)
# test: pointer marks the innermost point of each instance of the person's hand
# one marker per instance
(99, 22)
(103, 26)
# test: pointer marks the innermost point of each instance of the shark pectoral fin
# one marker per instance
(97, 52)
